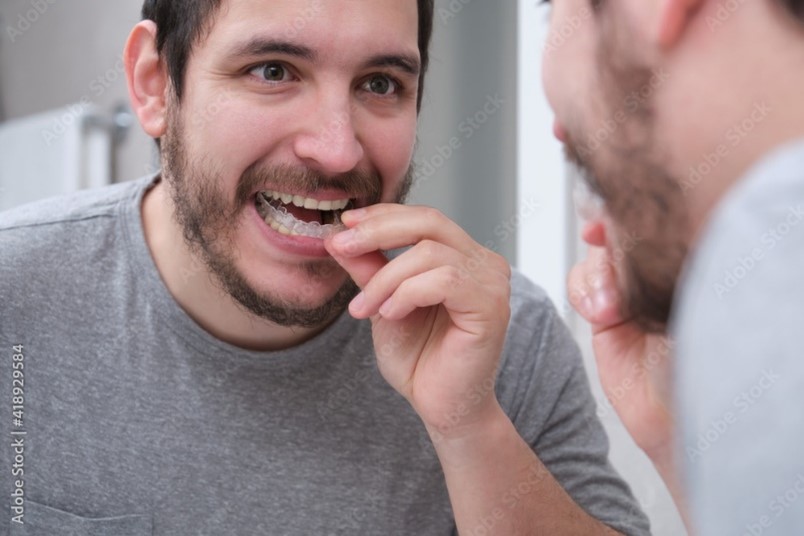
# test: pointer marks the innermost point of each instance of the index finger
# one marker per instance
(392, 226)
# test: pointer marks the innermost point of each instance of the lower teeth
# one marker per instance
(282, 221)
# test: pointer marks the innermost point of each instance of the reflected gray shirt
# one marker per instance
(140, 422)
(739, 328)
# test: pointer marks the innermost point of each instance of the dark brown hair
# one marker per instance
(796, 6)
(181, 24)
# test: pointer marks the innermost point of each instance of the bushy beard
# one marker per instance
(209, 222)
(626, 168)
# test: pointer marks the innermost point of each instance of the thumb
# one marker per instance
(593, 292)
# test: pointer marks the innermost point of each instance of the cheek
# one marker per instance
(228, 136)
(234, 136)
(568, 58)
(391, 151)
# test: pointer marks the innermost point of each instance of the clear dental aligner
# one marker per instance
(285, 223)
(588, 204)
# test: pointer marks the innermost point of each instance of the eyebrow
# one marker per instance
(408, 63)
(261, 47)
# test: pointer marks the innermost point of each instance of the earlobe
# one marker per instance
(674, 16)
(147, 79)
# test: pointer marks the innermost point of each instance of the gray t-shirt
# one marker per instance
(739, 328)
(138, 422)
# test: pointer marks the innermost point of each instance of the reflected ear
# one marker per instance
(147, 79)
(674, 16)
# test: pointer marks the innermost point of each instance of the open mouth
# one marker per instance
(296, 215)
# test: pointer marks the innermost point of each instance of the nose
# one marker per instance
(329, 142)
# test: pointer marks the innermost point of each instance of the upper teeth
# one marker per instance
(306, 202)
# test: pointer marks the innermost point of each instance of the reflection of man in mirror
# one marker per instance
(687, 117)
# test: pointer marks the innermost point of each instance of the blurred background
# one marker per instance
(486, 154)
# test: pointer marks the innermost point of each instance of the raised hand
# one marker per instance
(634, 367)
(439, 310)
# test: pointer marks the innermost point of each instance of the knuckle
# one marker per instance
(454, 276)
(427, 248)
(432, 216)
(501, 264)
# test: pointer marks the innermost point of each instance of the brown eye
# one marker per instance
(380, 85)
(271, 72)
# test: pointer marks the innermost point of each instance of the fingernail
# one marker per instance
(386, 307)
(358, 303)
(355, 214)
(344, 238)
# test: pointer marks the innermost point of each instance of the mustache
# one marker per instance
(366, 186)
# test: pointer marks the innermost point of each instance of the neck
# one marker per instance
(736, 99)
(196, 290)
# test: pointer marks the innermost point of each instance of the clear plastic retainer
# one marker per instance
(588, 204)
(308, 229)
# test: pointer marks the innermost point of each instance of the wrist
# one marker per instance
(483, 423)
(663, 456)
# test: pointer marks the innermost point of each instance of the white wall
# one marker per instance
(56, 53)
(467, 130)
(548, 247)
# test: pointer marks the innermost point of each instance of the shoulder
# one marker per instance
(752, 249)
(540, 356)
(58, 233)
(736, 325)
(67, 209)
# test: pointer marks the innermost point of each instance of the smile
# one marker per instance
(296, 215)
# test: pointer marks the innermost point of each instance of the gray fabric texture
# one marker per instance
(740, 361)
(140, 422)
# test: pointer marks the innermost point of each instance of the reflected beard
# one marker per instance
(209, 224)
(644, 202)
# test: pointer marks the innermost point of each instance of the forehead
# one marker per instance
(324, 25)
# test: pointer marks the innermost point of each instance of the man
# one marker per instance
(188, 364)
(688, 119)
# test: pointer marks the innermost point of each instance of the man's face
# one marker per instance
(602, 84)
(286, 103)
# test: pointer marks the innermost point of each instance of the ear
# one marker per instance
(147, 79)
(674, 17)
